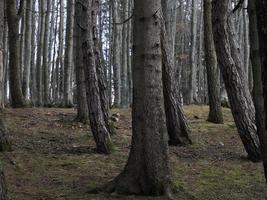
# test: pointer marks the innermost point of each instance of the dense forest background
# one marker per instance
(176, 89)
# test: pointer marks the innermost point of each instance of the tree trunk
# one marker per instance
(116, 53)
(85, 10)
(82, 108)
(237, 89)
(177, 126)
(258, 17)
(17, 99)
(45, 80)
(68, 65)
(147, 170)
(40, 50)
(215, 112)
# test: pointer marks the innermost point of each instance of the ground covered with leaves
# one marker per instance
(53, 158)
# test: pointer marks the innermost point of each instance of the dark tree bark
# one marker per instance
(85, 10)
(257, 16)
(215, 112)
(102, 84)
(147, 170)
(68, 62)
(238, 92)
(178, 129)
(13, 16)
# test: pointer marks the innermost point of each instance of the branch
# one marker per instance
(239, 5)
(125, 21)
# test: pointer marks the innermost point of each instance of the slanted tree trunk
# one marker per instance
(68, 62)
(85, 10)
(257, 17)
(178, 129)
(147, 170)
(13, 15)
(99, 65)
(215, 112)
(237, 89)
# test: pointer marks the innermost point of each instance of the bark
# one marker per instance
(2, 33)
(178, 129)
(191, 96)
(99, 66)
(85, 10)
(28, 48)
(116, 54)
(238, 92)
(82, 109)
(215, 111)
(39, 62)
(45, 79)
(147, 170)
(68, 65)
(258, 17)
(17, 99)
(33, 89)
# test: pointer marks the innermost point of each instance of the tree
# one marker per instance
(178, 129)
(85, 10)
(28, 49)
(13, 16)
(147, 170)
(257, 26)
(68, 61)
(215, 112)
(238, 92)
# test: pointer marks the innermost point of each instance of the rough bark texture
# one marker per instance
(97, 122)
(178, 129)
(147, 170)
(102, 84)
(238, 92)
(2, 77)
(215, 112)
(17, 99)
(68, 62)
(258, 38)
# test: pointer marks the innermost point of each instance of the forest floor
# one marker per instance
(53, 158)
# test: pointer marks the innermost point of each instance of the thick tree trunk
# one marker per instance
(258, 38)
(99, 129)
(68, 62)
(237, 89)
(17, 99)
(147, 170)
(215, 112)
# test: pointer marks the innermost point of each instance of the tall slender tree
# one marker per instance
(215, 112)
(13, 16)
